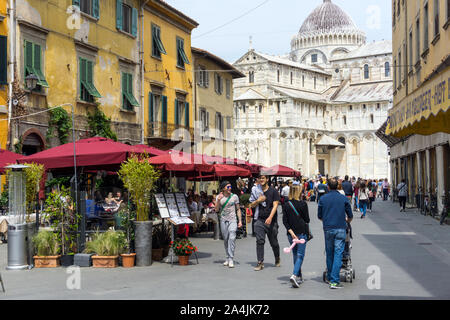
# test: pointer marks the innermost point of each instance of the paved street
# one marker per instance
(412, 252)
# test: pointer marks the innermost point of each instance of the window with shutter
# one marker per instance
(186, 117)
(181, 54)
(228, 88)
(90, 7)
(129, 101)
(3, 60)
(33, 63)
(88, 91)
(158, 47)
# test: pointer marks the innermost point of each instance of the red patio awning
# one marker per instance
(281, 171)
(7, 158)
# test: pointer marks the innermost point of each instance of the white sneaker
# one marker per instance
(231, 264)
(294, 281)
(226, 263)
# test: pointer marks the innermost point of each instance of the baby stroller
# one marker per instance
(347, 271)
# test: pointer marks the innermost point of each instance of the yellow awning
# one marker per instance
(425, 111)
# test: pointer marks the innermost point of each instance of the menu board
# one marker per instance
(181, 220)
(172, 205)
(182, 205)
(161, 202)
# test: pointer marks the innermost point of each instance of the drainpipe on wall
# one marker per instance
(12, 62)
(141, 61)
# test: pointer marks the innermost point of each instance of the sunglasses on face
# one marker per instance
(228, 187)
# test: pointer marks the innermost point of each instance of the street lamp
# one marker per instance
(31, 81)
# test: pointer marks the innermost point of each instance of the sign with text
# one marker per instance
(182, 205)
(161, 202)
(172, 205)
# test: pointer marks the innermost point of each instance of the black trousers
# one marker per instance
(402, 202)
(261, 230)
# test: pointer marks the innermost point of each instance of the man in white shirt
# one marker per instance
(285, 190)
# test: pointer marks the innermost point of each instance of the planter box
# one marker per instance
(157, 254)
(46, 262)
(67, 260)
(105, 262)
(128, 260)
(82, 260)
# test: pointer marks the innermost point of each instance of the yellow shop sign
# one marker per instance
(424, 111)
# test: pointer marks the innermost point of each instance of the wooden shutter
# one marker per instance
(28, 57)
(119, 15)
(96, 9)
(186, 119)
(176, 112)
(89, 73)
(151, 108)
(206, 79)
(134, 22)
(124, 89)
(3, 60)
(164, 110)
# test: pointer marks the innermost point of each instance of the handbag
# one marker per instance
(309, 235)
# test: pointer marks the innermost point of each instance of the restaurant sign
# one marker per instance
(424, 111)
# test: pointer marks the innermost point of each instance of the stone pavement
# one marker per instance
(411, 251)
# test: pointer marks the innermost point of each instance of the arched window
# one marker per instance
(387, 69)
(345, 120)
(366, 71)
(342, 140)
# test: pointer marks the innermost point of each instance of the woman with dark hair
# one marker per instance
(228, 209)
(363, 196)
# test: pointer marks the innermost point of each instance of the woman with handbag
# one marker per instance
(296, 219)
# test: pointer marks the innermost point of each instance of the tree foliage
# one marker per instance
(100, 125)
(139, 178)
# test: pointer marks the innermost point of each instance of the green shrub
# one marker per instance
(110, 243)
(46, 243)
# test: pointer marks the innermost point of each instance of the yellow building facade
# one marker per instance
(419, 122)
(168, 80)
(3, 74)
(213, 102)
(85, 54)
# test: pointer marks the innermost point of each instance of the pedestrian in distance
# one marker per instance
(348, 189)
(335, 212)
(295, 218)
(372, 194)
(227, 207)
(402, 194)
(363, 199)
(256, 194)
(385, 186)
(267, 223)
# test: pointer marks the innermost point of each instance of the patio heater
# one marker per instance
(17, 228)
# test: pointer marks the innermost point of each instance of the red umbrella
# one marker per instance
(181, 162)
(281, 171)
(95, 152)
(153, 152)
(7, 158)
(225, 170)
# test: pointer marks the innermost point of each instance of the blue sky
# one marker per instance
(273, 24)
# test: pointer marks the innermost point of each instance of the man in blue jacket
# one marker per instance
(334, 211)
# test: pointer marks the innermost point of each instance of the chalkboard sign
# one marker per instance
(161, 202)
(172, 205)
(182, 205)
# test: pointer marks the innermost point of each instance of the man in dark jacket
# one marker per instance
(348, 188)
(332, 211)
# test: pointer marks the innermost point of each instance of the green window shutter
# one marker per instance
(82, 77)
(164, 110)
(37, 62)
(76, 3)
(119, 17)
(134, 21)
(130, 94)
(96, 8)
(181, 51)
(28, 51)
(90, 72)
(124, 89)
(156, 33)
(3, 60)
(150, 108)
(177, 120)
(186, 118)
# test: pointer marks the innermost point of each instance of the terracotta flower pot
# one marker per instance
(183, 260)
(105, 262)
(47, 261)
(157, 254)
(128, 260)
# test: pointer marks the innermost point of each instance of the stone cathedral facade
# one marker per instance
(317, 109)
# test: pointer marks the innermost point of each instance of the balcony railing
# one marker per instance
(169, 131)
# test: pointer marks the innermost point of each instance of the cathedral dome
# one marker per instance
(327, 18)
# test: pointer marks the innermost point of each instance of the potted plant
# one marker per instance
(126, 218)
(139, 179)
(107, 246)
(47, 247)
(65, 219)
(183, 248)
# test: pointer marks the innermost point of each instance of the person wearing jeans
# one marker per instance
(227, 207)
(295, 219)
(334, 211)
(402, 194)
(363, 199)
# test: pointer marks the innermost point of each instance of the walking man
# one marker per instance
(385, 186)
(227, 206)
(267, 223)
(348, 189)
(335, 212)
(402, 194)
(257, 194)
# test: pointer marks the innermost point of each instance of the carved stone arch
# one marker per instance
(353, 138)
(335, 51)
(369, 136)
(304, 136)
(297, 135)
(282, 135)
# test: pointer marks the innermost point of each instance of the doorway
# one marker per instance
(322, 167)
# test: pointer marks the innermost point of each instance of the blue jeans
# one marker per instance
(298, 254)
(334, 247)
(363, 207)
